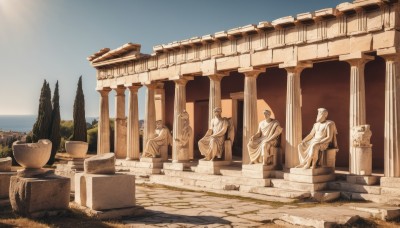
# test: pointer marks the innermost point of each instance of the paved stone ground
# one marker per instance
(164, 207)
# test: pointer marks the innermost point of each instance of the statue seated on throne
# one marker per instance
(156, 146)
(263, 147)
(320, 146)
(218, 139)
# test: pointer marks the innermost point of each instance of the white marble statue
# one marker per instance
(162, 138)
(212, 144)
(321, 137)
(267, 136)
(361, 136)
(186, 132)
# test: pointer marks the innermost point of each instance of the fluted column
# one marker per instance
(120, 123)
(392, 113)
(293, 129)
(103, 138)
(150, 115)
(160, 98)
(357, 63)
(179, 106)
(215, 95)
(133, 151)
(250, 120)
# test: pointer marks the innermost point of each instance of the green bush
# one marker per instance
(66, 128)
(92, 140)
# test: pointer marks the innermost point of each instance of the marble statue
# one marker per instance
(361, 136)
(185, 134)
(162, 138)
(321, 137)
(212, 144)
(267, 136)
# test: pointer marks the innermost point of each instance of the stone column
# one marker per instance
(150, 115)
(215, 95)
(179, 106)
(357, 63)
(250, 120)
(392, 113)
(133, 151)
(120, 123)
(293, 111)
(160, 96)
(103, 138)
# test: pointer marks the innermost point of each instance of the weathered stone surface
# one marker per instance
(5, 183)
(103, 192)
(112, 213)
(68, 173)
(36, 197)
(379, 211)
(363, 180)
(5, 164)
(390, 182)
(100, 164)
(317, 171)
(325, 196)
(32, 155)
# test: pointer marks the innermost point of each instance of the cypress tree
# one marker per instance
(55, 136)
(80, 133)
(41, 128)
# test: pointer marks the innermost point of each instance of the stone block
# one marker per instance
(350, 187)
(363, 180)
(5, 183)
(36, 197)
(210, 167)
(325, 196)
(179, 166)
(312, 172)
(100, 164)
(390, 191)
(309, 178)
(112, 213)
(151, 160)
(390, 182)
(296, 186)
(103, 192)
(275, 192)
(379, 211)
(339, 47)
(257, 171)
(68, 173)
(5, 164)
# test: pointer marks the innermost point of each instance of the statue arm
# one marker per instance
(161, 136)
(256, 135)
(310, 136)
(277, 132)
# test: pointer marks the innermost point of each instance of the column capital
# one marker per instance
(356, 58)
(251, 71)
(103, 91)
(150, 85)
(295, 66)
(119, 90)
(389, 54)
(133, 87)
(183, 80)
(216, 77)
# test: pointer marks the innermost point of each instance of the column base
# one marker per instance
(211, 167)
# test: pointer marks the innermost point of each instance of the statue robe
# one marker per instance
(212, 144)
(163, 138)
(307, 150)
(259, 147)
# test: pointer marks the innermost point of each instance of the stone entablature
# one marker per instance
(361, 26)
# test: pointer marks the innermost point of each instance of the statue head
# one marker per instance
(184, 116)
(267, 114)
(159, 124)
(322, 115)
(217, 112)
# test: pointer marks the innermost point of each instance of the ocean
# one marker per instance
(23, 123)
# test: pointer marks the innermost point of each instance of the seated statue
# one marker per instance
(162, 138)
(261, 143)
(212, 144)
(321, 137)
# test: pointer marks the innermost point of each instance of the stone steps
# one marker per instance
(278, 192)
(395, 201)
(231, 171)
(297, 186)
(356, 188)
(308, 179)
(138, 171)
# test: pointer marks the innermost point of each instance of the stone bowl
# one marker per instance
(76, 149)
(32, 155)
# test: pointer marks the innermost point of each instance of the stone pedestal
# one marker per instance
(68, 170)
(41, 196)
(257, 171)
(361, 161)
(178, 166)
(150, 165)
(5, 183)
(211, 167)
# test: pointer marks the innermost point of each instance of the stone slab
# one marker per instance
(112, 213)
(211, 167)
(257, 174)
(363, 180)
(5, 183)
(312, 172)
(231, 171)
(269, 191)
(179, 166)
(390, 191)
(383, 212)
(36, 197)
(103, 192)
(284, 184)
(382, 199)
(100, 164)
(350, 187)
(214, 163)
(390, 182)
(5, 164)
(325, 196)
(309, 178)
(151, 160)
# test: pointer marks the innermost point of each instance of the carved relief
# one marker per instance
(361, 136)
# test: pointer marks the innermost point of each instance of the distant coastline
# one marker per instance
(22, 123)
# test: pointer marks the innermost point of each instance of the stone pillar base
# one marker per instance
(363, 179)
(211, 167)
(361, 161)
(5, 183)
(37, 197)
(257, 171)
(104, 192)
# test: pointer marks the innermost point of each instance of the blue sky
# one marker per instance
(50, 39)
